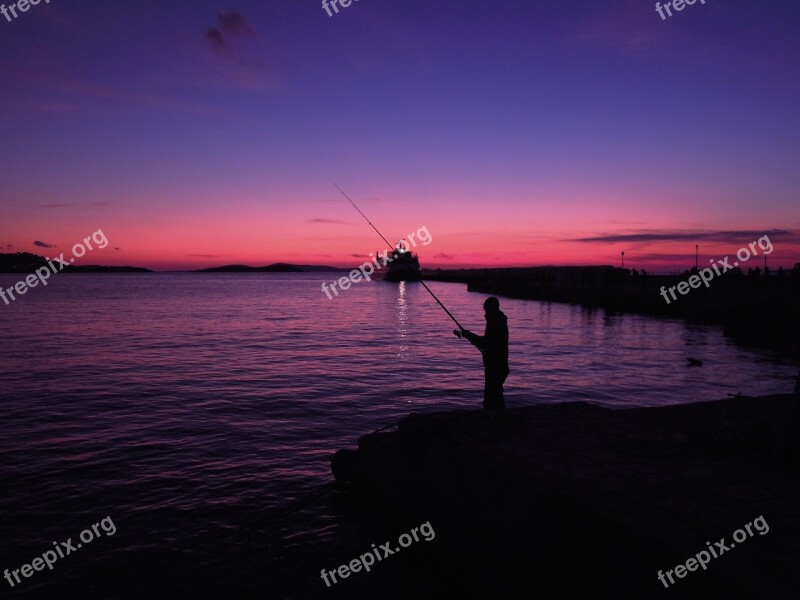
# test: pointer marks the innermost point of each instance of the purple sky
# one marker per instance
(197, 133)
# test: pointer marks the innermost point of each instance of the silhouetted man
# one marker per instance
(494, 347)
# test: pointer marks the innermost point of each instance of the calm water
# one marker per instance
(186, 405)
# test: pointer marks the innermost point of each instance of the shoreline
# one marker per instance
(758, 311)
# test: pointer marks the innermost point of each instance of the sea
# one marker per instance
(198, 413)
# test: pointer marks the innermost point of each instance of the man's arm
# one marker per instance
(476, 340)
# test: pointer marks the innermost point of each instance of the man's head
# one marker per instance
(491, 306)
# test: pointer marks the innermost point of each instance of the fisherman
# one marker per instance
(494, 347)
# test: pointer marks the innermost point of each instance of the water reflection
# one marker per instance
(402, 314)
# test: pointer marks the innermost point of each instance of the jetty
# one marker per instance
(758, 309)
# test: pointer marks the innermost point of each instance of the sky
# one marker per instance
(198, 134)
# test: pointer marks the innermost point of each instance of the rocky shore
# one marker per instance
(565, 499)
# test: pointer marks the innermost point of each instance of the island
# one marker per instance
(274, 268)
(25, 262)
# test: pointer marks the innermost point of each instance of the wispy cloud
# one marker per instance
(231, 24)
(443, 256)
(43, 245)
(663, 257)
(216, 39)
(327, 221)
(73, 205)
(729, 237)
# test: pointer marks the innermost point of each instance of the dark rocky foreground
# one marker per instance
(754, 309)
(558, 500)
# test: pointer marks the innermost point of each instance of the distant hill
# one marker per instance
(25, 262)
(276, 268)
(318, 268)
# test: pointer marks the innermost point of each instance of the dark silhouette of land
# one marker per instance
(572, 500)
(755, 308)
(274, 268)
(25, 262)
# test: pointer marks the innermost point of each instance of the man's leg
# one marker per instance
(493, 390)
(487, 395)
(502, 382)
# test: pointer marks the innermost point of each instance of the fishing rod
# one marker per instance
(388, 243)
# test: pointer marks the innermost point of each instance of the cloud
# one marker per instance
(205, 255)
(43, 245)
(443, 256)
(115, 248)
(233, 23)
(730, 237)
(327, 221)
(72, 205)
(217, 40)
(359, 255)
(664, 257)
(229, 24)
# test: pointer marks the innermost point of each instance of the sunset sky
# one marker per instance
(524, 132)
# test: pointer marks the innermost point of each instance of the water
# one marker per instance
(186, 405)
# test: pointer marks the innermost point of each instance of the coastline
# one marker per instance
(758, 311)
